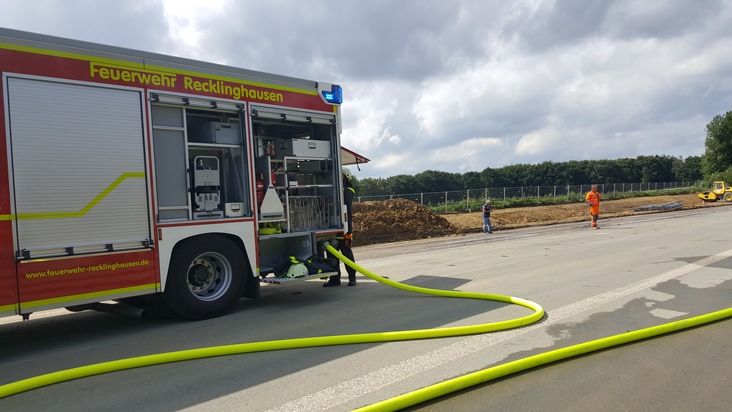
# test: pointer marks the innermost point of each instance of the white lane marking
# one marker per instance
(347, 391)
(667, 314)
(712, 278)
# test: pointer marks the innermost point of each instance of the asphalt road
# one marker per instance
(632, 273)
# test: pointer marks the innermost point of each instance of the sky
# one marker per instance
(449, 85)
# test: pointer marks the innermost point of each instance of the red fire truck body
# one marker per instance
(127, 174)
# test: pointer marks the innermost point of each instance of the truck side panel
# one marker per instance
(8, 284)
(78, 167)
(53, 283)
(79, 180)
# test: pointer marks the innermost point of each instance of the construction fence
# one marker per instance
(570, 192)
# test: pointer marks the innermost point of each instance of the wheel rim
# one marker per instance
(209, 276)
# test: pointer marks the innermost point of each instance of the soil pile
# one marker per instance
(399, 219)
(394, 220)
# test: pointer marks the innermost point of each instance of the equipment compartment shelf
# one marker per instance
(281, 235)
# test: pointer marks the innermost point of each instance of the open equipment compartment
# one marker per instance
(297, 177)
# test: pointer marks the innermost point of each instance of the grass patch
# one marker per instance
(477, 204)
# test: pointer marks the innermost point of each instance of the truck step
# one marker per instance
(282, 280)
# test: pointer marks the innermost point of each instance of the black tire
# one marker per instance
(205, 278)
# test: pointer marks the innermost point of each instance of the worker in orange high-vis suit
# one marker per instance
(593, 199)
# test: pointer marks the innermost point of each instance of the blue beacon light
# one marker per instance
(334, 96)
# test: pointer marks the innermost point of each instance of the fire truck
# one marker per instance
(127, 175)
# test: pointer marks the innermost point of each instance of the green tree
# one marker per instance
(516, 175)
(725, 176)
(573, 172)
(687, 170)
(402, 184)
(471, 180)
(491, 178)
(370, 186)
(655, 168)
(718, 145)
(631, 171)
(606, 171)
(436, 181)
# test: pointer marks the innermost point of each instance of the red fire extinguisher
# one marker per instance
(260, 189)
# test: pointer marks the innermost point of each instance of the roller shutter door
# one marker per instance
(277, 113)
(78, 165)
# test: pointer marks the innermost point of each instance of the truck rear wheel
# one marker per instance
(727, 197)
(205, 278)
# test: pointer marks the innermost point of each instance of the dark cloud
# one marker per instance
(563, 23)
(376, 40)
(462, 85)
(556, 24)
(661, 19)
(120, 23)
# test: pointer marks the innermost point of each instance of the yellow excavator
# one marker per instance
(721, 191)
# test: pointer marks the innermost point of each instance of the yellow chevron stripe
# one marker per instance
(83, 211)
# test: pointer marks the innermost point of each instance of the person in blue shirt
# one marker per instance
(487, 226)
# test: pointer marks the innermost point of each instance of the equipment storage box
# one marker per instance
(217, 132)
(305, 148)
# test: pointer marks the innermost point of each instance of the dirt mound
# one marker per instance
(394, 220)
(399, 219)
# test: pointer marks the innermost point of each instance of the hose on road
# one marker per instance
(225, 350)
(405, 400)
(486, 375)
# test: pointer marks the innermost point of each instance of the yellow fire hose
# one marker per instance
(489, 374)
(399, 402)
(168, 357)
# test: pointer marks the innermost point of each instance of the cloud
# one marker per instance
(368, 111)
(453, 85)
(495, 98)
(468, 155)
(188, 21)
(126, 24)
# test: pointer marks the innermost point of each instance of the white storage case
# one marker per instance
(305, 148)
(221, 133)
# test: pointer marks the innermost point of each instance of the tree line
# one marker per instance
(641, 169)
(714, 164)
